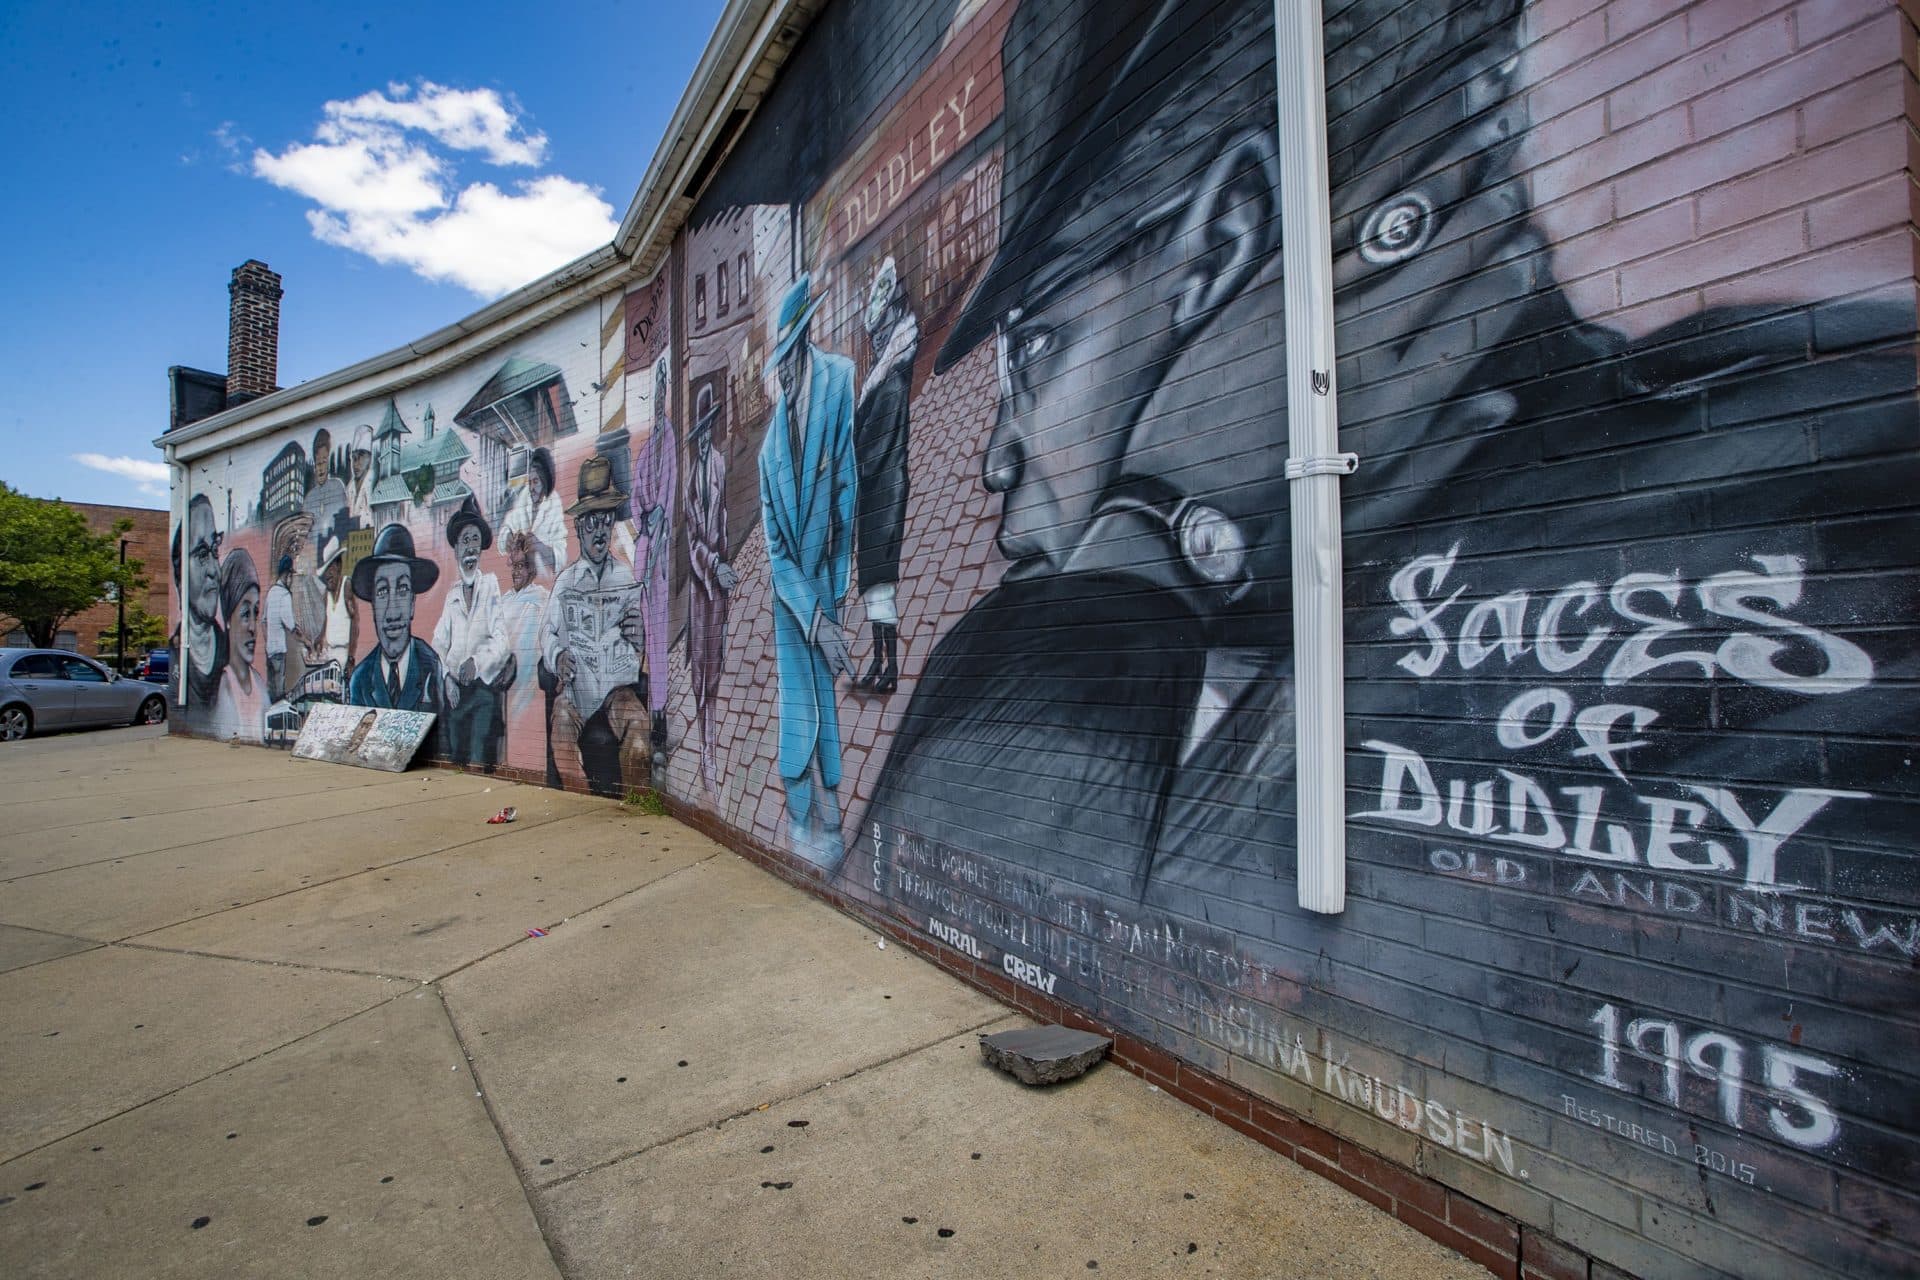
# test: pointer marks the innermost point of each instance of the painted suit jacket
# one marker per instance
(419, 691)
(807, 510)
(707, 546)
(656, 479)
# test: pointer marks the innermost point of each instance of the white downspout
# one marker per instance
(183, 490)
(1314, 464)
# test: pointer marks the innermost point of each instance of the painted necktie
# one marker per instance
(393, 684)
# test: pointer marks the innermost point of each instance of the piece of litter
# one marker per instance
(536, 933)
(507, 814)
(882, 944)
(1153, 1088)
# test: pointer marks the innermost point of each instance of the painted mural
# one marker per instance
(503, 572)
(925, 519)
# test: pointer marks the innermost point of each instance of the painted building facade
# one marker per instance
(910, 510)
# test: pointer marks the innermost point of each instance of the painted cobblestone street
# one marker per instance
(248, 1036)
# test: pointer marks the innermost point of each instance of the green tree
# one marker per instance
(145, 633)
(52, 566)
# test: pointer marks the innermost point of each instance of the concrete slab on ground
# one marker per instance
(429, 916)
(370, 1127)
(705, 995)
(20, 818)
(264, 1020)
(22, 947)
(228, 812)
(128, 758)
(937, 1165)
(89, 1035)
(123, 897)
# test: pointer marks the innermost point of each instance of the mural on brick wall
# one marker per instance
(924, 520)
(506, 572)
(1630, 653)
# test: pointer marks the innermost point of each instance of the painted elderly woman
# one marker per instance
(240, 705)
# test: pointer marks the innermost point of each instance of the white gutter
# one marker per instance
(178, 676)
(1314, 464)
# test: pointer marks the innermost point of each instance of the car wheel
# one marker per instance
(152, 711)
(16, 722)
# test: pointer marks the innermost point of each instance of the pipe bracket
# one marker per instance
(1338, 464)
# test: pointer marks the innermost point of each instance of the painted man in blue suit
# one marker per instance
(403, 672)
(807, 509)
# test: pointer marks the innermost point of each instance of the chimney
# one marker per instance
(253, 332)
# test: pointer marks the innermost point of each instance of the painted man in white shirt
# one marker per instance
(590, 641)
(360, 486)
(340, 618)
(471, 639)
(282, 633)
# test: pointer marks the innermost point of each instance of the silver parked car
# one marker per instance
(44, 689)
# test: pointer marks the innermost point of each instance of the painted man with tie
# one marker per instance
(807, 484)
(656, 474)
(713, 576)
(402, 672)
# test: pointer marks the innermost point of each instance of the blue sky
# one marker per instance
(398, 165)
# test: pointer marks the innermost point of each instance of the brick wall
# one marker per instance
(147, 543)
(1625, 318)
(1625, 305)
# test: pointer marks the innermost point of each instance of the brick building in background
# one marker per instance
(1624, 339)
(94, 632)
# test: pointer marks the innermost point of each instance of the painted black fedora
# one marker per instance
(393, 545)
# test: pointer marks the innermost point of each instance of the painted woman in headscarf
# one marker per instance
(240, 704)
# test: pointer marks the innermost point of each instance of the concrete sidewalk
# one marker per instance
(264, 1017)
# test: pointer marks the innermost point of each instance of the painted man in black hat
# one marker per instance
(808, 486)
(1144, 534)
(709, 558)
(1538, 501)
(471, 639)
(402, 672)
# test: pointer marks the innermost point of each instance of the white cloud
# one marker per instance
(490, 241)
(359, 178)
(383, 169)
(464, 119)
(150, 477)
(232, 144)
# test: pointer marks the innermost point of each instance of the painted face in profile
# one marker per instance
(789, 367)
(203, 564)
(243, 626)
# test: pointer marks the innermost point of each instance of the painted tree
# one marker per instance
(52, 566)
